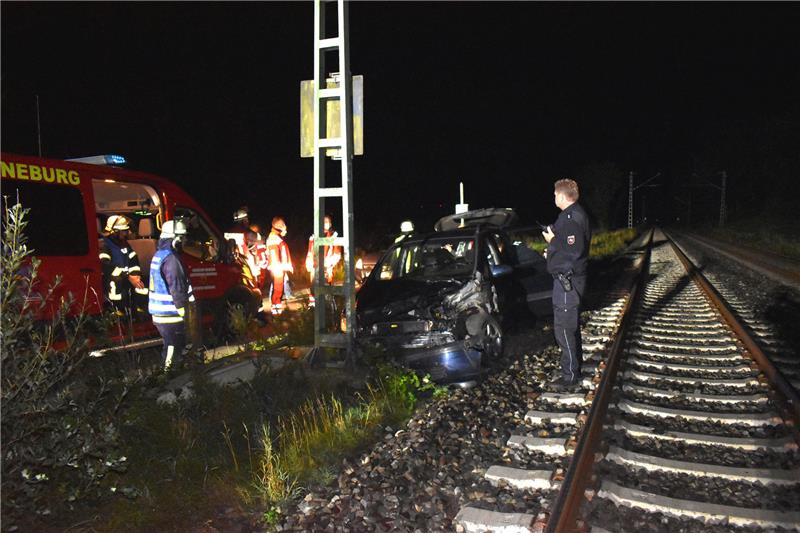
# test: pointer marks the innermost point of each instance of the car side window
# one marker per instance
(492, 251)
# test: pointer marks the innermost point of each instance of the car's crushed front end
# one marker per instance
(431, 322)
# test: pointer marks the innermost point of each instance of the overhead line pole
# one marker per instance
(631, 188)
(343, 146)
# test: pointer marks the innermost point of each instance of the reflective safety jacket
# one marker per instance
(170, 289)
(279, 258)
(118, 261)
(331, 258)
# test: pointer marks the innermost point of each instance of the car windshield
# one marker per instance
(434, 258)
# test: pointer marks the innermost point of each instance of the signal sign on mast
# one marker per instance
(332, 112)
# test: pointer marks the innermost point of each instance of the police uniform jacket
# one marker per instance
(569, 247)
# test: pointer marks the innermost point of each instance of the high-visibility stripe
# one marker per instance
(132, 255)
(143, 291)
(118, 270)
(134, 269)
(168, 361)
(162, 308)
(104, 255)
(112, 292)
(167, 319)
(160, 297)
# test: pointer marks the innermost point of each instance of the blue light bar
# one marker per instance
(114, 159)
(110, 159)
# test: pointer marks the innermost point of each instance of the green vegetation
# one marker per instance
(780, 237)
(312, 439)
(604, 244)
(79, 444)
(609, 243)
(59, 422)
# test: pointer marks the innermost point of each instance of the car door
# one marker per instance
(530, 267)
(508, 294)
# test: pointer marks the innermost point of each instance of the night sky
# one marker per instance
(506, 97)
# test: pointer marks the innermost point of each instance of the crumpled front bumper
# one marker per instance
(446, 363)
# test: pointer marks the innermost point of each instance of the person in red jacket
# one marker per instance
(332, 257)
(280, 262)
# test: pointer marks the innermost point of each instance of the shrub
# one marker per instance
(58, 431)
(611, 242)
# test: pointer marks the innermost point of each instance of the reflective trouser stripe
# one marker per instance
(168, 362)
(112, 292)
(143, 291)
(571, 357)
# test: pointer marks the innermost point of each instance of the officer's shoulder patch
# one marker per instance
(571, 239)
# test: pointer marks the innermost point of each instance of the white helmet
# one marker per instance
(172, 228)
(117, 223)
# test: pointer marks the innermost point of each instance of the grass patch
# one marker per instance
(311, 441)
(610, 243)
(252, 446)
(604, 244)
(780, 237)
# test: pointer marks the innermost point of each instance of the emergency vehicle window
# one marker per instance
(56, 221)
(199, 242)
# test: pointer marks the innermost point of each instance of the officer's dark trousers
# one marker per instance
(174, 335)
(566, 326)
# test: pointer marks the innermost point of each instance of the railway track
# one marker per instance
(683, 423)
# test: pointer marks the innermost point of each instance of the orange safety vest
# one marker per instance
(279, 258)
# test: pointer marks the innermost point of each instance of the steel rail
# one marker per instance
(564, 511)
(775, 378)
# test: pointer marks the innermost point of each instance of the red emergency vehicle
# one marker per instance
(69, 203)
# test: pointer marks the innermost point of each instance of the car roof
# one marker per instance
(456, 233)
(491, 216)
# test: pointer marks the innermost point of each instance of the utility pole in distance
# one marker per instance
(631, 188)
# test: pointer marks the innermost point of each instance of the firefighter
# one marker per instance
(240, 230)
(258, 251)
(332, 255)
(122, 274)
(279, 262)
(170, 292)
(243, 236)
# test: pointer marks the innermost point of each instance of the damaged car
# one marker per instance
(439, 302)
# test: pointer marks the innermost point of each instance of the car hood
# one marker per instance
(390, 299)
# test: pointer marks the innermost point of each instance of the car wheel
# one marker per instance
(493, 340)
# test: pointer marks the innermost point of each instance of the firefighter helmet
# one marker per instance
(240, 214)
(172, 228)
(117, 223)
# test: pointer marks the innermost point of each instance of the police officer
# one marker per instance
(170, 292)
(567, 257)
(120, 265)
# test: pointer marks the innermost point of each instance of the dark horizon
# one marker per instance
(506, 97)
